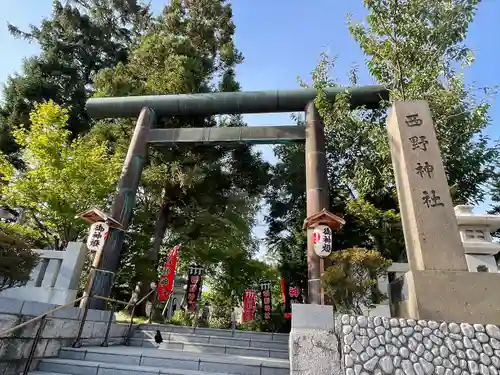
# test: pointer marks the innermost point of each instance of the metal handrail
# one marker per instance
(78, 343)
(114, 302)
(146, 296)
(69, 304)
(110, 300)
(42, 319)
(132, 313)
(39, 330)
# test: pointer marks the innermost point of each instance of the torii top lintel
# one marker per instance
(229, 102)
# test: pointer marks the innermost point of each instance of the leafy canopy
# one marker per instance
(416, 49)
(62, 177)
(204, 197)
(80, 38)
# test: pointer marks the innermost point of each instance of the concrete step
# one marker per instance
(46, 373)
(262, 336)
(171, 359)
(217, 340)
(210, 348)
(74, 367)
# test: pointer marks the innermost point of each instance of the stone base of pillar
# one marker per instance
(454, 296)
(315, 347)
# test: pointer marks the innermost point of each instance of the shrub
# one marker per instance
(350, 282)
(16, 260)
(182, 318)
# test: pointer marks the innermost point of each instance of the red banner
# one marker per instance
(248, 305)
(166, 283)
(283, 291)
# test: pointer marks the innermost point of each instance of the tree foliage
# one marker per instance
(227, 286)
(61, 178)
(17, 260)
(416, 49)
(207, 197)
(204, 197)
(349, 281)
(79, 39)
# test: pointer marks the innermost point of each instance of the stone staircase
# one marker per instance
(184, 351)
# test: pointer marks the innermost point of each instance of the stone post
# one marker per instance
(71, 266)
(429, 222)
(314, 345)
(438, 285)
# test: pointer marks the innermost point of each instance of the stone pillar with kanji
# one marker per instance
(438, 285)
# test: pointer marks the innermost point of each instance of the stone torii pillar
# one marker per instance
(124, 202)
(318, 199)
(318, 195)
(318, 223)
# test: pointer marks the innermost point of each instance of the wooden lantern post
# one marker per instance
(320, 228)
(95, 217)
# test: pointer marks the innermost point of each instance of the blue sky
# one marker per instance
(282, 40)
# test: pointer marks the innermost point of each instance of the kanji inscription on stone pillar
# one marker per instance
(429, 223)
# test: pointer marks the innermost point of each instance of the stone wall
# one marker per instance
(60, 330)
(360, 345)
(374, 345)
(55, 279)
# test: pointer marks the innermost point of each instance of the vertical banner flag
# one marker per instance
(293, 295)
(283, 291)
(265, 293)
(248, 305)
(166, 283)
(195, 272)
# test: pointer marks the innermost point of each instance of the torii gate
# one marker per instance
(147, 108)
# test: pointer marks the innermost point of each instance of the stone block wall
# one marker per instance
(60, 330)
(361, 345)
(375, 345)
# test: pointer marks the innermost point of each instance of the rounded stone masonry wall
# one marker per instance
(379, 345)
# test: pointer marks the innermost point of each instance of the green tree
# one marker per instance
(495, 198)
(231, 278)
(349, 281)
(200, 196)
(366, 224)
(204, 197)
(80, 38)
(416, 49)
(220, 309)
(61, 178)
